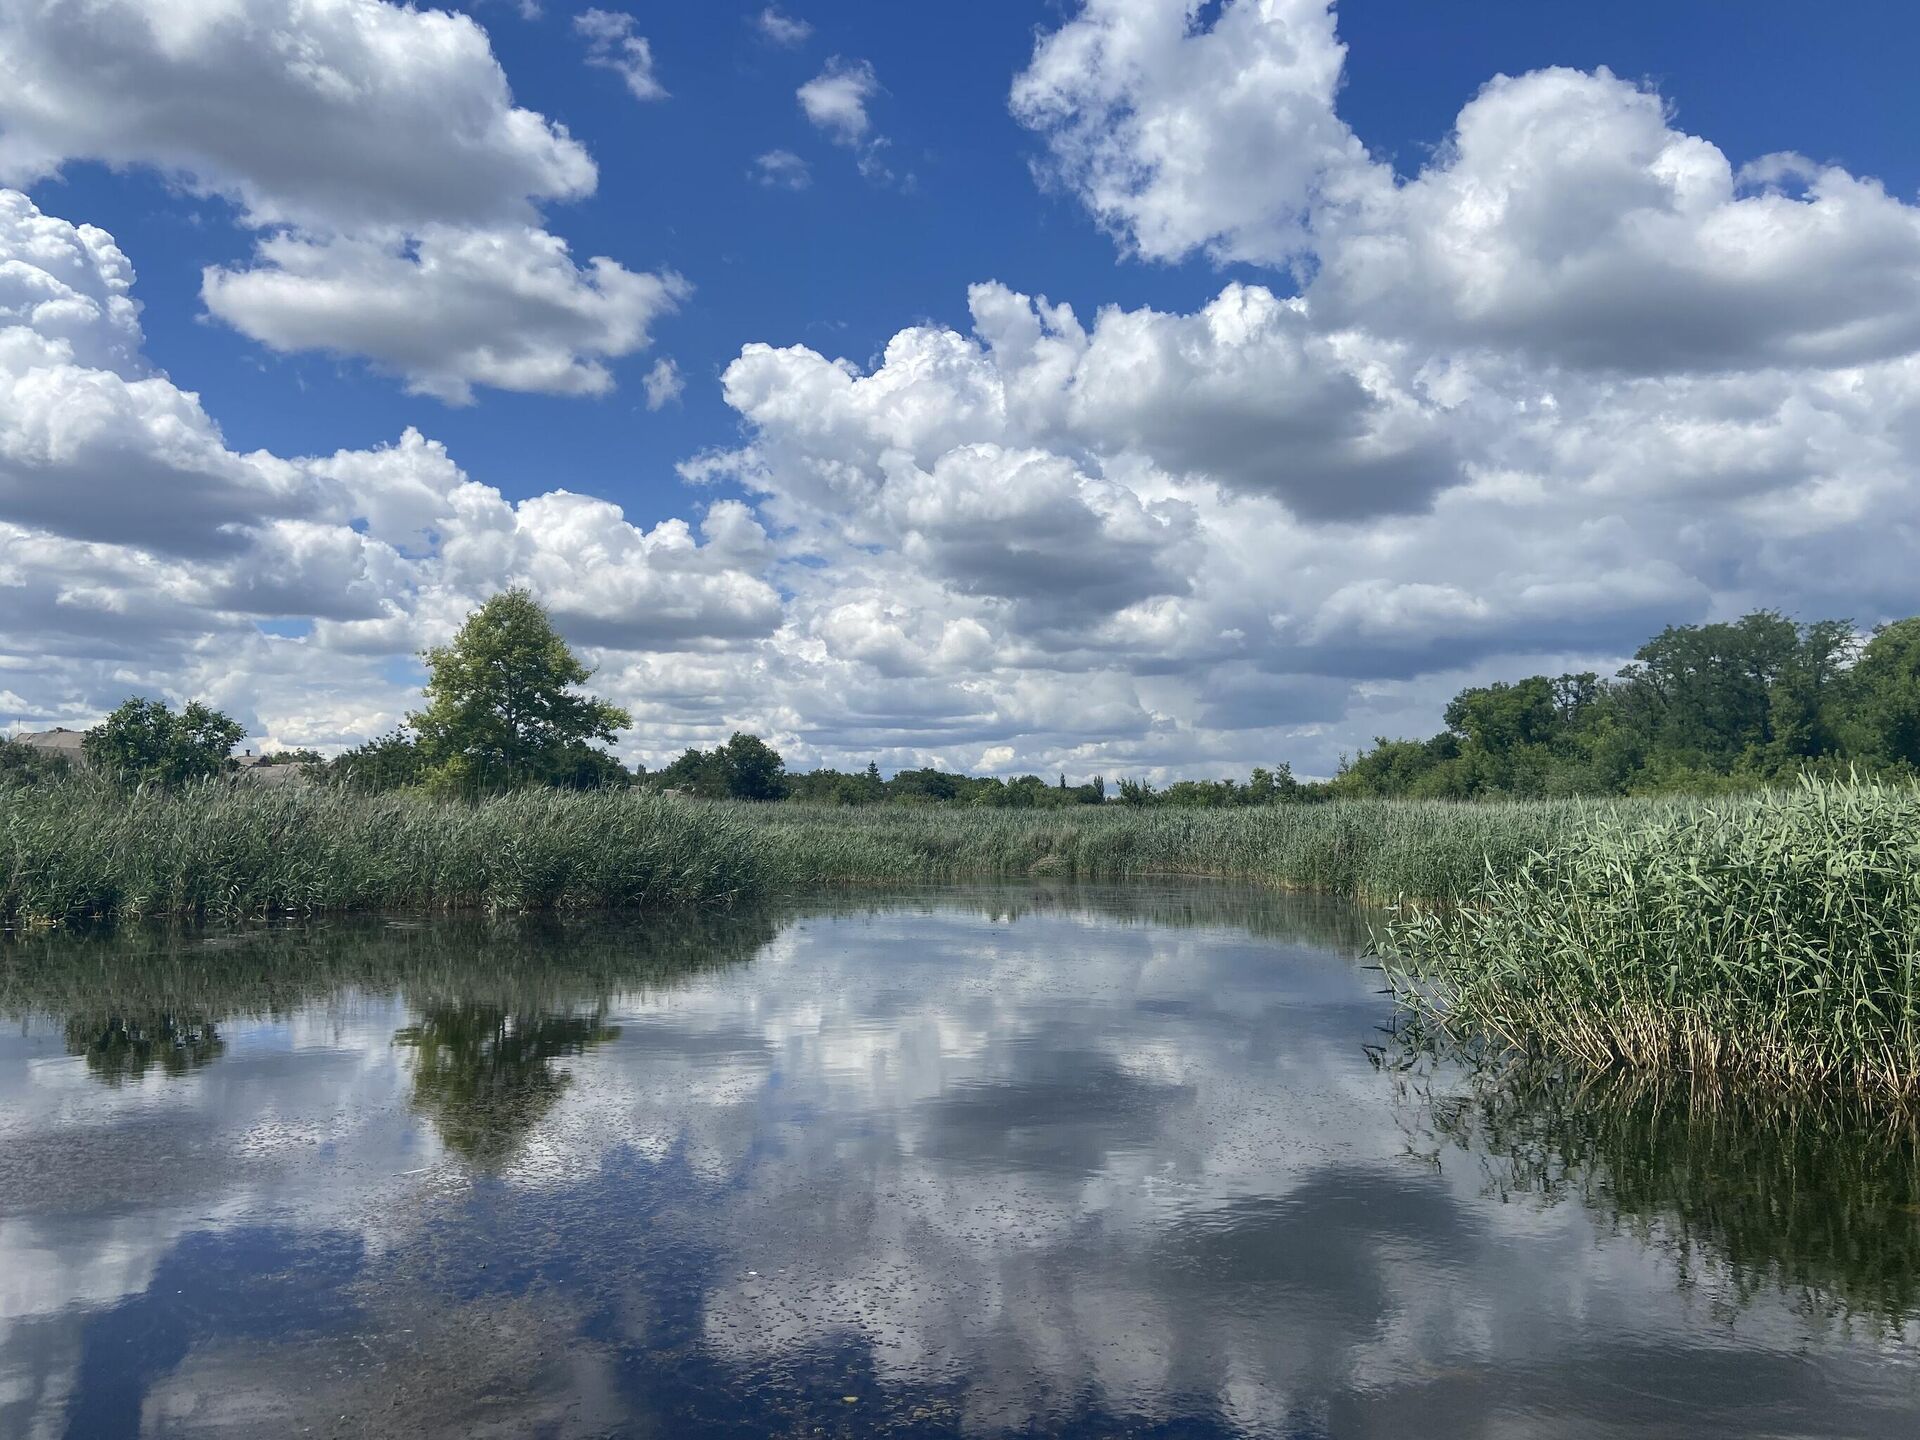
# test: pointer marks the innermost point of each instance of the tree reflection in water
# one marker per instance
(123, 1047)
(485, 1075)
(1817, 1198)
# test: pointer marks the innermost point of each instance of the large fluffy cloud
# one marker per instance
(1569, 218)
(1245, 393)
(451, 309)
(291, 108)
(380, 149)
(1579, 376)
(137, 549)
(1180, 135)
(1565, 216)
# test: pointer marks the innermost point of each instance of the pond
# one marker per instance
(1071, 1162)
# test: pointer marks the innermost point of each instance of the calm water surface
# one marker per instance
(982, 1162)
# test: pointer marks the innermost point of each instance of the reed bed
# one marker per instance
(1370, 850)
(223, 851)
(1774, 938)
(85, 850)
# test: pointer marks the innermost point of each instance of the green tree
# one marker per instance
(501, 710)
(145, 743)
(387, 762)
(1805, 708)
(1885, 690)
(753, 768)
(745, 768)
(22, 764)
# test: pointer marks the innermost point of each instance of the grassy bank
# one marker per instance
(222, 851)
(1775, 938)
(83, 849)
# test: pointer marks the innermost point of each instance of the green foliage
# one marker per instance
(745, 768)
(145, 743)
(753, 768)
(1774, 937)
(388, 762)
(1886, 683)
(501, 711)
(22, 764)
(1702, 710)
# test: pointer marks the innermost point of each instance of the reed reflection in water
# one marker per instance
(998, 1160)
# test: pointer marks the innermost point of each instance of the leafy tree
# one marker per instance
(694, 773)
(1806, 704)
(584, 768)
(745, 768)
(1272, 787)
(1702, 693)
(501, 710)
(1885, 687)
(752, 768)
(388, 762)
(1502, 717)
(145, 743)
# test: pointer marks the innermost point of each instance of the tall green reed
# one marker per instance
(223, 851)
(1775, 938)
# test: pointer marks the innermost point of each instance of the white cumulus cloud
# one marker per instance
(378, 149)
(452, 309)
(836, 99)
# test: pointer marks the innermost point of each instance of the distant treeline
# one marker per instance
(1701, 709)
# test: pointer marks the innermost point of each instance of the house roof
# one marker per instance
(58, 738)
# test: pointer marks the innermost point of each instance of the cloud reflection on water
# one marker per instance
(984, 1163)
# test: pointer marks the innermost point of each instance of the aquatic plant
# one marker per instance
(1775, 938)
(1368, 849)
(224, 851)
(86, 849)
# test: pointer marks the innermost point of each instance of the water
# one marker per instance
(1087, 1163)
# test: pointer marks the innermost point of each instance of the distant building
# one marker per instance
(251, 767)
(253, 772)
(58, 741)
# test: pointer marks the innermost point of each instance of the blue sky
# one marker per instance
(960, 187)
(844, 264)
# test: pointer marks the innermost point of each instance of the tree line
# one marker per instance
(1733, 705)
(1730, 705)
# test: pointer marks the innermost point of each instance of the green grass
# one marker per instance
(1774, 938)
